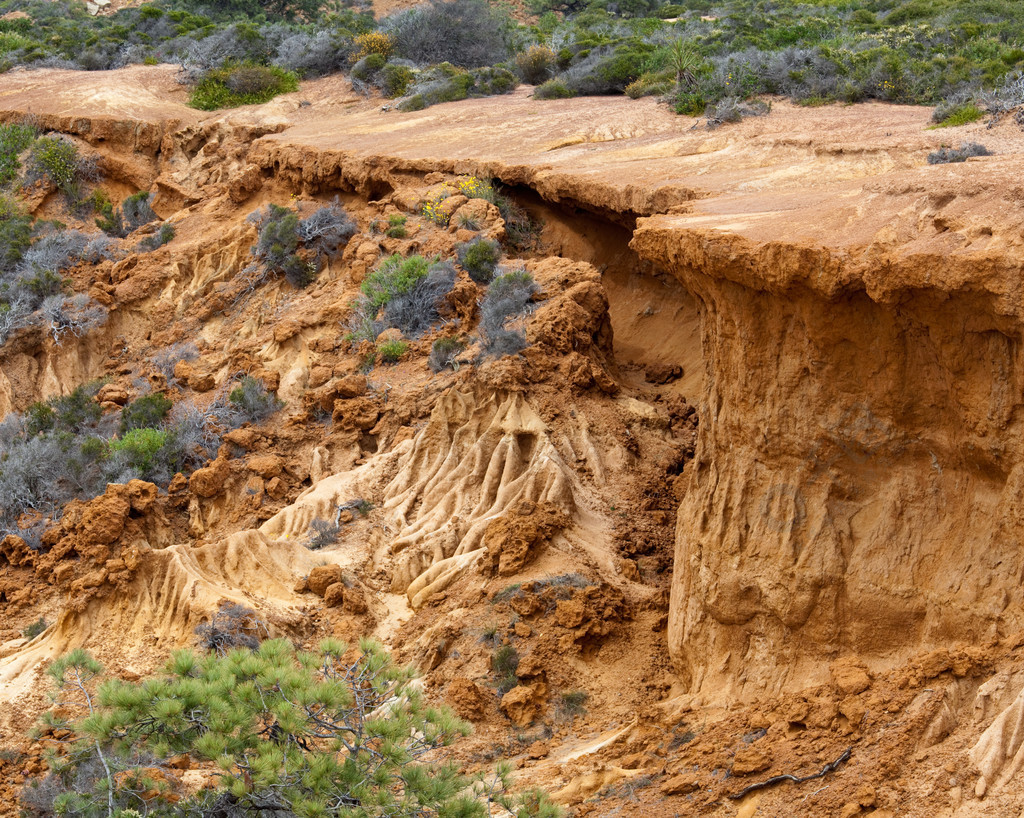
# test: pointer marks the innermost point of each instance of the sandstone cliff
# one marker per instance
(845, 318)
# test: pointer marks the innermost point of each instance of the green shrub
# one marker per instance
(77, 409)
(14, 139)
(241, 85)
(395, 80)
(395, 275)
(688, 103)
(39, 417)
(392, 78)
(290, 732)
(410, 299)
(252, 400)
(960, 115)
(391, 351)
(366, 69)
(149, 410)
(55, 158)
(553, 89)
(446, 83)
(277, 250)
(67, 413)
(536, 64)
(142, 449)
(396, 226)
(15, 232)
(479, 257)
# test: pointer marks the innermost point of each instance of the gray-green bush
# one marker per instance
(479, 257)
(508, 298)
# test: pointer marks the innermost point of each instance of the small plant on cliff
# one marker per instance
(36, 628)
(282, 731)
(504, 662)
(57, 159)
(395, 276)
(252, 401)
(323, 533)
(296, 248)
(130, 216)
(15, 231)
(144, 451)
(396, 226)
(479, 257)
(444, 354)
(14, 139)
(507, 301)
(416, 309)
(327, 230)
(158, 239)
(392, 351)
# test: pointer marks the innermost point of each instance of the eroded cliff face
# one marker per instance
(845, 318)
(857, 483)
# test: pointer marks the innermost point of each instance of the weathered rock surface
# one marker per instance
(846, 319)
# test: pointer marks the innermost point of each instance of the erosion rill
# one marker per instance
(845, 318)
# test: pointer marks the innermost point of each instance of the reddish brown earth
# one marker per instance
(753, 486)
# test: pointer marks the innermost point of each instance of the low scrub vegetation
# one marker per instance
(448, 83)
(695, 54)
(444, 353)
(15, 139)
(67, 447)
(241, 85)
(296, 248)
(251, 400)
(962, 154)
(132, 214)
(479, 257)
(406, 293)
(504, 663)
(391, 351)
(502, 310)
(33, 288)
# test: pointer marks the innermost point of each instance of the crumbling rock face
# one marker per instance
(858, 481)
